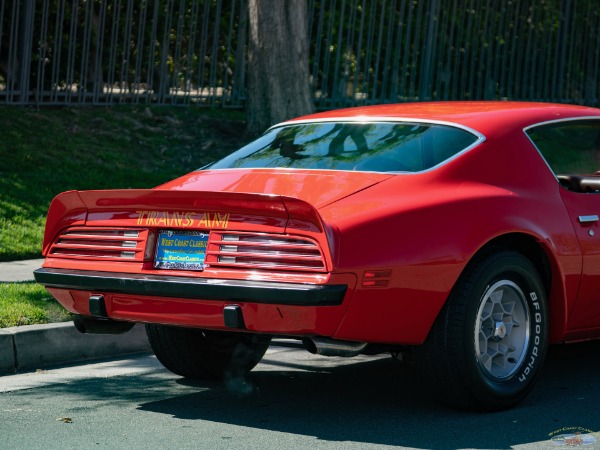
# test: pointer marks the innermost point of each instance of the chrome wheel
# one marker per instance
(502, 330)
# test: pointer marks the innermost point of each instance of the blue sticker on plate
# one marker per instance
(184, 250)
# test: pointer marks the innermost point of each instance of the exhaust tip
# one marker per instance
(309, 345)
(332, 347)
(88, 325)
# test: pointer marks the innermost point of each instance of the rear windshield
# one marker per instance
(367, 147)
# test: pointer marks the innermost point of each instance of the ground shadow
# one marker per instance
(383, 402)
(370, 401)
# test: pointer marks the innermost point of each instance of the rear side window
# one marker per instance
(569, 147)
(572, 150)
(367, 147)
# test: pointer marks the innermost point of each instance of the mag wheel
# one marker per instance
(489, 342)
(202, 354)
(501, 330)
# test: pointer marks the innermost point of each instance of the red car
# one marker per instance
(466, 234)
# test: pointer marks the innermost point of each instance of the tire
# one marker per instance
(206, 355)
(489, 342)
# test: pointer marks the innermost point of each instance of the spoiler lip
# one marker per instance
(66, 210)
(296, 294)
(126, 208)
(284, 208)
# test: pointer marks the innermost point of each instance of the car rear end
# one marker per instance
(220, 261)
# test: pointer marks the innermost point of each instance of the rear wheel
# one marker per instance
(202, 354)
(489, 342)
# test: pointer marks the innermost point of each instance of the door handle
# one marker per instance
(589, 219)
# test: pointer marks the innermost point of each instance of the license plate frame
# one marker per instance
(181, 250)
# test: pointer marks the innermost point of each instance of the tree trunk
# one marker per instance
(278, 78)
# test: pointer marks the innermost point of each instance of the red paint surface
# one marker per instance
(421, 230)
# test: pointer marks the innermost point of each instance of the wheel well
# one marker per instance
(547, 267)
(528, 247)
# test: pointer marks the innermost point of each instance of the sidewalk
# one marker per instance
(33, 346)
(11, 272)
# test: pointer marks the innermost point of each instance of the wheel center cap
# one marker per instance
(499, 331)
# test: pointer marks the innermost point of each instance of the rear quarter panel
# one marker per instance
(425, 228)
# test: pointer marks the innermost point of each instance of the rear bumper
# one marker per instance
(193, 288)
(274, 308)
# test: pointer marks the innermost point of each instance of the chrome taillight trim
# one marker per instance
(264, 251)
(101, 243)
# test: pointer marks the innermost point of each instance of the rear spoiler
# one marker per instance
(155, 208)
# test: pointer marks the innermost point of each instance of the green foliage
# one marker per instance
(28, 304)
(360, 52)
(149, 44)
(45, 152)
(363, 52)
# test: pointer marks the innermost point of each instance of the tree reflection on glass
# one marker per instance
(380, 147)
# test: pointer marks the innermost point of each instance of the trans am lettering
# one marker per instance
(182, 219)
(215, 220)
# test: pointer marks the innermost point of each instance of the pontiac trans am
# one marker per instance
(465, 234)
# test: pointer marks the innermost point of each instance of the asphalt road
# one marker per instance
(292, 400)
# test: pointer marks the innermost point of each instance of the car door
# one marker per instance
(584, 211)
(572, 150)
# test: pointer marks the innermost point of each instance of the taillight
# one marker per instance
(101, 243)
(266, 251)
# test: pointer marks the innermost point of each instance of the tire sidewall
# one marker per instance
(204, 354)
(516, 268)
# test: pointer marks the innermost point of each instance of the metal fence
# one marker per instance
(57, 52)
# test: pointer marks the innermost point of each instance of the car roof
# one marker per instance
(486, 117)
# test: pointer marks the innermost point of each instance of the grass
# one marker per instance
(45, 152)
(28, 304)
(48, 151)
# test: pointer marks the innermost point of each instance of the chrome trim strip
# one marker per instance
(565, 119)
(381, 119)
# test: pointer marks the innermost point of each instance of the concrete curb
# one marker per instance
(34, 346)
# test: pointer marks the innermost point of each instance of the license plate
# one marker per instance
(183, 250)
